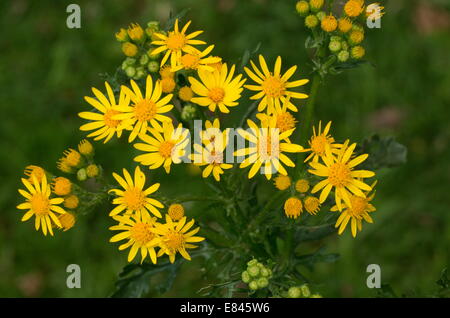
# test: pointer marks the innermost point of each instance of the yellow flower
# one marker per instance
(312, 205)
(168, 84)
(39, 204)
(302, 185)
(293, 207)
(176, 211)
(359, 210)
(67, 221)
(316, 4)
(356, 37)
(135, 32)
(147, 109)
(140, 233)
(217, 89)
(61, 186)
(121, 35)
(92, 171)
(133, 198)
(329, 23)
(71, 201)
(344, 24)
(103, 124)
(185, 93)
(72, 157)
(174, 237)
(284, 120)
(165, 71)
(319, 142)
(86, 148)
(358, 52)
(212, 155)
(161, 149)
(196, 60)
(273, 87)
(217, 65)
(282, 182)
(64, 166)
(37, 171)
(339, 174)
(211, 132)
(354, 8)
(175, 43)
(266, 149)
(129, 49)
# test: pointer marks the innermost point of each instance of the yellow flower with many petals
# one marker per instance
(266, 149)
(196, 60)
(339, 174)
(359, 211)
(39, 204)
(133, 199)
(146, 110)
(140, 234)
(319, 143)
(174, 237)
(103, 124)
(175, 43)
(163, 149)
(273, 87)
(212, 155)
(217, 89)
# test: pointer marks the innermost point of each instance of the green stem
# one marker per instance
(306, 120)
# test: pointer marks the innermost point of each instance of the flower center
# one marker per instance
(359, 206)
(165, 149)
(339, 174)
(273, 86)
(215, 158)
(134, 199)
(268, 148)
(285, 122)
(175, 41)
(107, 118)
(190, 61)
(174, 240)
(145, 110)
(216, 94)
(318, 144)
(142, 233)
(40, 204)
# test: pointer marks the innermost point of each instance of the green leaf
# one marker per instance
(383, 152)
(135, 280)
(313, 233)
(309, 260)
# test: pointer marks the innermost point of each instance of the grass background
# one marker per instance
(46, 69)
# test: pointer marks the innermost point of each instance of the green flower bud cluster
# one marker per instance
(302, 291)
(188, 112)
(136, 45)
(257, 275)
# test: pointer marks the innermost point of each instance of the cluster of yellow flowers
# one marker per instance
(43, 197)
(346, 32)
(137, 215)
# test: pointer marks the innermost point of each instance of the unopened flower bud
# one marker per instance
(130, 71)
(294, 292)
(302, 8)
(311, 21)
(81, 174)
(335, 46)
(262, 282)
(153, 66)
(253, 285)
(253, 270)
(343, 56)
(144, 59)
(245, 277)
(305, 290)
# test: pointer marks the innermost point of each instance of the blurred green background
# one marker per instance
(46, 69)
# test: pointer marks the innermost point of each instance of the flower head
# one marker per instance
(67, 221)
(185, 93)
(312, 205)
(37, 171)
(293, 207)
(282, 182)
(217, 89)
(319, 143)
(175, 43)
(39, 204)
(163, 149)
(61, 186)
(86, 148)
(344, 24)
(195, 60)
(71, 201)
(266, 149)
(129, 49)
(302, 185)
(140, 235)
(354, 8)
(147, 109)
(273, 87)
(176, 211)
(175, 237)
(135, 32)
(103, 125)
(356, 213)
(133, 198)
(329, 23)
(338, 171)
